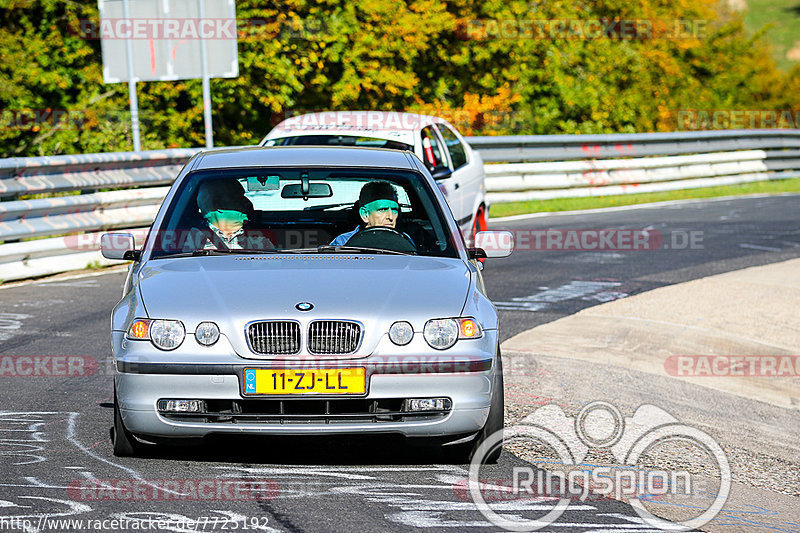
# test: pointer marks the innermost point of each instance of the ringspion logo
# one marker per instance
(638, 444)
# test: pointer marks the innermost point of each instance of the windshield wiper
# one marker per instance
(210, 251)
(328, 206)
(193, 253)
(217, 251)
(327, 248)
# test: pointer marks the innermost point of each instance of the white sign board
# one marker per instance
(165, 37)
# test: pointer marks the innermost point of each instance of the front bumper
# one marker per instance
(466, 380)
(138, 395)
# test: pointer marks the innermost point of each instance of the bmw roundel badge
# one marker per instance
(304, 306)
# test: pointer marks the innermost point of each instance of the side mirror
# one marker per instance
(118, 246)
(441, 173)
(494, 243)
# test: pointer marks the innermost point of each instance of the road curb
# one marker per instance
(744, 313)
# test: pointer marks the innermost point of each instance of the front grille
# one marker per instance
(274, 337)
(333, 337)
(307, 411)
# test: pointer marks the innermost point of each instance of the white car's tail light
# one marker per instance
(167, 334)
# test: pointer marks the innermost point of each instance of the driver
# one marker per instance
(379, 207)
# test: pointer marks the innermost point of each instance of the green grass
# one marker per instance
(574, 204)
(784, 16)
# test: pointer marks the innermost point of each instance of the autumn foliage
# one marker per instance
(491, 67)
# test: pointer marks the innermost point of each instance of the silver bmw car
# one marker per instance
(306, 290)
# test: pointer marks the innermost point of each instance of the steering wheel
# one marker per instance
(384, 238)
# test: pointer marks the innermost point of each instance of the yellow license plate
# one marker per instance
(319, 381)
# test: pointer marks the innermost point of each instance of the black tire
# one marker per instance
(463, 453)
(125, 445)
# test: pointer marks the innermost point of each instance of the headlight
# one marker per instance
(441, 333)
(167, 334)
(206, 333)
(401, 333)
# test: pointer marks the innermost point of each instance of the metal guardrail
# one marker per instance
(527, 148)
(531, 167)
(564, 166)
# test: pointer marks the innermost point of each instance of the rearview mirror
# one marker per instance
(495, 243)
(315, 190)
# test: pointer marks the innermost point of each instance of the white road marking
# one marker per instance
(79, 283)
(587, 257)
(34, 482)
(31, 447)
(74, 508)
(133, 473)
(605, 296)
(569, 291)
(759, 247)
(38, 304)
(295, 471)
(11, 324)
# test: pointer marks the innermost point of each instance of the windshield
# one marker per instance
(338, 140)
(303, 210)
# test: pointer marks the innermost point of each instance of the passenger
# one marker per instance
(226, 212)
(378, 207)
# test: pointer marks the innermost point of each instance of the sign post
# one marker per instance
(167, 40)
(206, 84)
(134, 99)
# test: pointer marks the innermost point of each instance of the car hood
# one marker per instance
(373, 289)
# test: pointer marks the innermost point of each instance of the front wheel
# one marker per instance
(125, 444)
(464, 453)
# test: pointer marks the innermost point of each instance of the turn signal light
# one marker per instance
(140, 329)
(469, 329)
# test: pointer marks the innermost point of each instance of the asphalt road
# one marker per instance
(54, 431)
(698, 239)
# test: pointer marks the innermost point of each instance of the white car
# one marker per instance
(455, 166)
